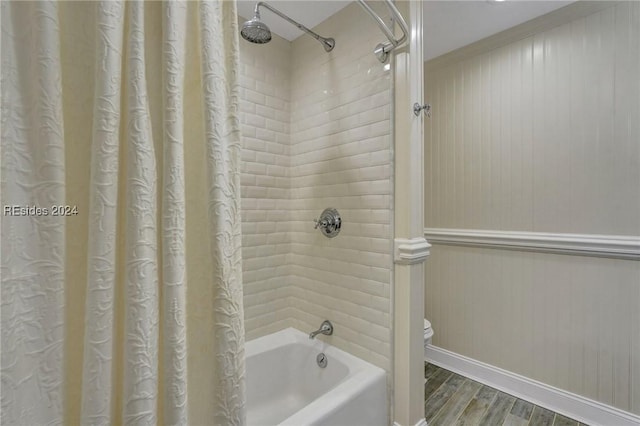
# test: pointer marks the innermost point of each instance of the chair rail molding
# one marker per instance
(612, 246)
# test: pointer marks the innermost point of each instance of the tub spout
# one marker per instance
(325, 328)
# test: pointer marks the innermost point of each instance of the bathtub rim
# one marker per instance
(362, 374)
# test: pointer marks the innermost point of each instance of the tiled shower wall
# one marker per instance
(341, 158)
(316, 134)
(264, 114)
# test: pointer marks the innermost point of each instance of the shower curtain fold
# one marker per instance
(222, 131)
(141, 330)
(103, 211)
(33, 248)
(161, 268)
(174, 216)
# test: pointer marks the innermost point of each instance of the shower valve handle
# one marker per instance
(320, 223)
(329, 223)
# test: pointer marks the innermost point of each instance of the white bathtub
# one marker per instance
(285, 385)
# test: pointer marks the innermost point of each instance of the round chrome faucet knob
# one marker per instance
(329, 223)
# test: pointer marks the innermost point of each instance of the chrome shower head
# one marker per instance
(256, 31)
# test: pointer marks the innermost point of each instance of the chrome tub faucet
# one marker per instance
(326, 328)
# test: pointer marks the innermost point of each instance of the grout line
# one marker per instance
(528, 419)
(471, 400)
(437, 413)
(431, 375)
(441, 384)
(510, 408)
(436, 389)
(490, 403)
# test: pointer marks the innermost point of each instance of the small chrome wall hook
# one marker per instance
(426, 108)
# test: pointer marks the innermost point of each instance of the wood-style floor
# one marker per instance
(451, 399)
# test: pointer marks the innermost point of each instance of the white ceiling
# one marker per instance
(448, 24)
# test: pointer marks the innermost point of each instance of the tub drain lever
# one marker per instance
(322, 360)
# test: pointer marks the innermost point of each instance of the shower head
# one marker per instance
(256, 31)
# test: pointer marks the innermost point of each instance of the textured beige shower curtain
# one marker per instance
(126, 306)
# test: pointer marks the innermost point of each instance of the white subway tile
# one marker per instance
(314, 137)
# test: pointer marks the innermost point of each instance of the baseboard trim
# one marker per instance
(422, 422)
(566, 403)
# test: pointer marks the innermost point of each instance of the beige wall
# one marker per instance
(316, 134)
(540, 133)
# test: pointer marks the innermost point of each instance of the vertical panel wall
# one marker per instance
(341, 158)
(542, 135)
(265, 72)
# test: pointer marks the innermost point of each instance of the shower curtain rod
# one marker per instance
(382, 50)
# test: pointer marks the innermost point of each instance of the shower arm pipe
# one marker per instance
(286, 18)
(382, 50)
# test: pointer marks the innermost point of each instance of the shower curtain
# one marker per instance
(121, 292)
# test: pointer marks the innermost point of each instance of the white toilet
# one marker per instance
(428, 333)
